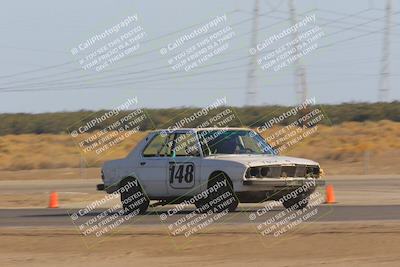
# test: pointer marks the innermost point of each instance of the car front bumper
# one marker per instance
(288, 182)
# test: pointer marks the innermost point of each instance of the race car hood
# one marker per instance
(259, 160)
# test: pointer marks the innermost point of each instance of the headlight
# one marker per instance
(313, 171)
(252, 172)
(264, 171)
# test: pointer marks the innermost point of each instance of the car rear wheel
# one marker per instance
(133, 198)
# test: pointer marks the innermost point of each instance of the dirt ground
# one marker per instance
(310, 244)
(51, 174)
(314, 244)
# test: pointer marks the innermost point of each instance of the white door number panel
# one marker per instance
(181, 175)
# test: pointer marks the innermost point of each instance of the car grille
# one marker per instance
(282, 171)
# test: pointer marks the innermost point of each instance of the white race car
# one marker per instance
(213, 168)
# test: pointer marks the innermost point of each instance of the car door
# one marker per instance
(153, 165)
(184, 165)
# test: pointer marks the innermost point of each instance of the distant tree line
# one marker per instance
(63, 122)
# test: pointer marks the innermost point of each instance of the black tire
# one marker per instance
(298, 203)
(133, 199)
(201, 206)
(225, 193)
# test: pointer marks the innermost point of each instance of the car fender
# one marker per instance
(234, 170)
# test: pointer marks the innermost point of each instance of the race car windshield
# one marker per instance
(233, 142)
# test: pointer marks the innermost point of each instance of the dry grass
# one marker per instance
(341, 149)
(354, 148)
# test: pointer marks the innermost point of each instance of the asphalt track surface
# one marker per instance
(326, 213)
(371, 191)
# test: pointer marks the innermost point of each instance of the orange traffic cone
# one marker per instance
(53, 203)
(330, 195)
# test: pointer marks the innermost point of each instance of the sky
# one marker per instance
(39, 73)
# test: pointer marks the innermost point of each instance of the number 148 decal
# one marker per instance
(181, 175)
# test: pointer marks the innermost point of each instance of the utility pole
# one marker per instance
(251, 93)
(300, 70)
(384, 87)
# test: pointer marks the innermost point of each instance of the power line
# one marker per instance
(73, 61)
(140, 63)
(180, 76)
(116, 68)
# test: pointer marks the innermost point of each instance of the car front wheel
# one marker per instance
(220, 196)
(297, 203)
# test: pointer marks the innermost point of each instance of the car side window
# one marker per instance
(159, 146)
(185, 145)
